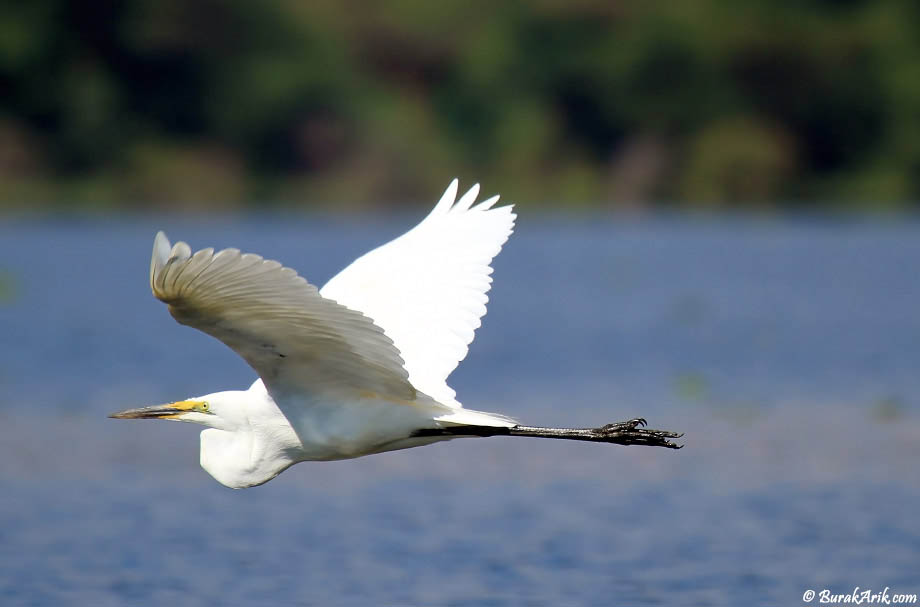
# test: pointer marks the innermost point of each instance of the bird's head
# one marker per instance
(232, 450)
(212, 410)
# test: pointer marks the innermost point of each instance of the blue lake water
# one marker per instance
(787, 350)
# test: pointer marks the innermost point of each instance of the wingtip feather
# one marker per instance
(160, 255)
(487, 204)
(180, 251)
(448, 198)
(467, 200)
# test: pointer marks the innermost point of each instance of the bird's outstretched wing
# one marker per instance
(295, 339)
(427, 288)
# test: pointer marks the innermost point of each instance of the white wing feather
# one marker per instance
(427, 288)
(296, 340)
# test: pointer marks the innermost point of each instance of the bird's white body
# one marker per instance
(257, 440)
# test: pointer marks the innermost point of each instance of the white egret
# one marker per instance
(357, 367)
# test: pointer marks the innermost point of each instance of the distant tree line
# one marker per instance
(771, 103)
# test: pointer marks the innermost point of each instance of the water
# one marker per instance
(786, 350)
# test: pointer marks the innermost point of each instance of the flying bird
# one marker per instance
(357, 367)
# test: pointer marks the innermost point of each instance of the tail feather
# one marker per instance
(468, 417)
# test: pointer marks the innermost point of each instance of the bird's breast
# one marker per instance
(346, 428)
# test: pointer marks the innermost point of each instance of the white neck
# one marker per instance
(240, 459)
(246, 446)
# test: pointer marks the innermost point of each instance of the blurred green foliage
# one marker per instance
(135, 103)
(8, 287)
(691, 386)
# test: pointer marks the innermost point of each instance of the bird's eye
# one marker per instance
(205, 406)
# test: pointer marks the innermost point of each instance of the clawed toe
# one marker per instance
(624, 426)
(633, 432)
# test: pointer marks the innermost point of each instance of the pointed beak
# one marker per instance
(167, 411)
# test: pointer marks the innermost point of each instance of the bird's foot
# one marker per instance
(633, 433)
(624, 426)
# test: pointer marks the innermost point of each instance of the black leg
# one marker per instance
(622, 433)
